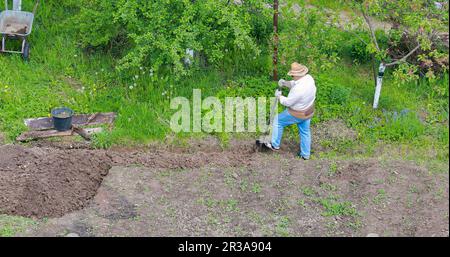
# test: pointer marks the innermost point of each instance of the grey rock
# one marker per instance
(297, 9)
(72, 235)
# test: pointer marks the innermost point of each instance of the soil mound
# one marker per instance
(44, 182)
(49, 182)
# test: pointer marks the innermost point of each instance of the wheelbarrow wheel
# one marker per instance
(26, 52)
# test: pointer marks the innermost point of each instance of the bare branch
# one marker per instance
(404, 57)
(353, 32)
(341, 26)
(358, 37)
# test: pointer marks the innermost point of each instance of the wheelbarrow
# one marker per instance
(16, 24)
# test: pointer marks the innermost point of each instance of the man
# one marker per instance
(300, 109)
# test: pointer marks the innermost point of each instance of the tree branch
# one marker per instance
(372, 32)
(358, 37)
(404, 57)
(353, 32)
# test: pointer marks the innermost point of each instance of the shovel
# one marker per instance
(266, 138)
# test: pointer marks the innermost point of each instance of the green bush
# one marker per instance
(310, 39)
(405, 126)
(248, 87)
(332, 93)
(339, 95)
(156, 34)
(359, 53)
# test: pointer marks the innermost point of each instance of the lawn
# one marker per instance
(61, 73)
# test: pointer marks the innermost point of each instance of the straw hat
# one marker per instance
(298, 70)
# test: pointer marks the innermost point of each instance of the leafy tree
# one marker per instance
(157, 34)
(415, 45)
(307, 34)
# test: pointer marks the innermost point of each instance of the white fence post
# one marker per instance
(376, 99)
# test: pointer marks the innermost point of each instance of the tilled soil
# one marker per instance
(204, 190)
(37, 182)
(49, 182)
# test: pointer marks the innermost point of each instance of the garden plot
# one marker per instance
(45, 182)
(208, 191)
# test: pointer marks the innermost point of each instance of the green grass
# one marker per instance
(333, 168)
(256, 188)
(308, 191)
(380, 197)
(61, 73)
(282, 226)
(10, 225)
(335, 208)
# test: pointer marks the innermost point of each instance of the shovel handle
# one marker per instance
(273, 109)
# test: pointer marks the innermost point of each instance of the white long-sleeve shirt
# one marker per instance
(302, 94)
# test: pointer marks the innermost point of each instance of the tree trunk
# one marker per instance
(381, 70)
(374, 70)
(275, 40)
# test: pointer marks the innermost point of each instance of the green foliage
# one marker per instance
(333, 168)
(11, 225)
(309, 38)
(401, 126)
(102, 140)
(157, 33)
(308, 191)
(332, 93)
(414, 24)
(282, 226)
(335, 5)
(62, 73)
(443, 136)
(336, 208)
(359, 52)
(332, 98)
(97, 24)
(248, 87)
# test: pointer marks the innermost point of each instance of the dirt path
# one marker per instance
(212, 192)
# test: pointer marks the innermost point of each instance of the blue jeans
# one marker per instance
(286, 119)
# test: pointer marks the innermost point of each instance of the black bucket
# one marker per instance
(62, 118)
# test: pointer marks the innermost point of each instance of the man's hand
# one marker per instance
(284, 83)
(278, 93)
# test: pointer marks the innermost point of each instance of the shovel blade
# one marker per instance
(261, 145)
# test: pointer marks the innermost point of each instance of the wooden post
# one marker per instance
(275, 40)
